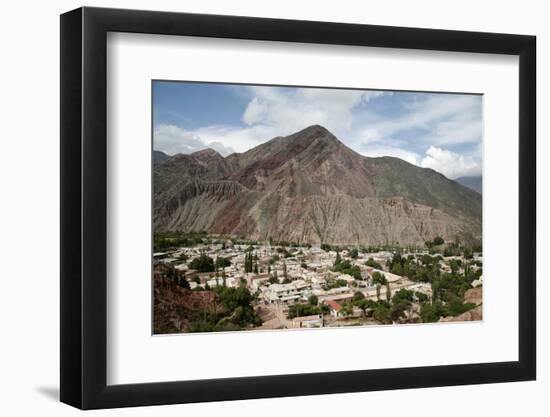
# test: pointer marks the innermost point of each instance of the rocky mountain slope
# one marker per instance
(310, 187)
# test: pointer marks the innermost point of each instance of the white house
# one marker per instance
(335, 308)
(308, 321)
(286, 293)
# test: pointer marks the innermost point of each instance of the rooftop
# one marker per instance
(334, 305)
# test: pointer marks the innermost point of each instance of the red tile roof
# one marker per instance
(334, 305)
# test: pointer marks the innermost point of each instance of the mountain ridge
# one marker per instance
(473, 182)
(309, 186)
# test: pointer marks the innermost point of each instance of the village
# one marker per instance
(308, 286)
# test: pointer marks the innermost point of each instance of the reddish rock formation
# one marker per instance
(310, 187)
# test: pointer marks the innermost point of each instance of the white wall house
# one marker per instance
(286, 293)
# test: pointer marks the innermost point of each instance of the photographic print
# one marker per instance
(279, 207)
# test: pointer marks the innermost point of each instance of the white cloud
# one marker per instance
(224, 139)
(403, 129)
(236, 138)
(448, 119)
(221, 148)
(270, 112)
(374, 151)
(255, 111)
(450, 164)
(281, 110)
(172, 140)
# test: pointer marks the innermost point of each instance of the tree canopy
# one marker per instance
(203, 263)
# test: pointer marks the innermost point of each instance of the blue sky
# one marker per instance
(439, 131)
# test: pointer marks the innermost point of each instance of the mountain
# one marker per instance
(310, 187)
(159, 156)
(474, 183)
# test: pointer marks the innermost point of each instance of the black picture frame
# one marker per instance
(84, 207)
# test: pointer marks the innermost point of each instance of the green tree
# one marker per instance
(347, 309)
(382, 314)
(456, 306)
(403, 295)
(313, 300)
(203, 263)
(397, 269)
(336, 284)
(300, 310)
(338, 259)
(250, 262)
(431, 313)
(379, 278)
(364, 305)
(421, 297)
(325, 247)
(222, 262)
(398, 311)
(345, 267)
(357, 296)
(372, 263)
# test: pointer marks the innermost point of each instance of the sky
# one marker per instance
(431, 130)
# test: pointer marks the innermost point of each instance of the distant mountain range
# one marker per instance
(474, 183)
(310, 187)
(159, 156)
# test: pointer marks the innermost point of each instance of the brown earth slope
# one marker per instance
(474, 296)
(310, 187)
(175, 306)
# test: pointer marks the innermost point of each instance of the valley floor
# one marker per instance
(268, 286)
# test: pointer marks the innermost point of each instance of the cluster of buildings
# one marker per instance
(286, 276)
